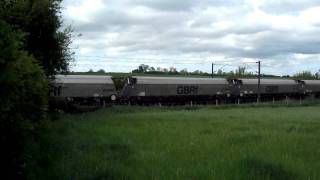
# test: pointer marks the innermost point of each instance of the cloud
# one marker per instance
(287, 6)
(277, 32)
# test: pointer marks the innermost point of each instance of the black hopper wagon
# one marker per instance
(72, 91)
(145, 90)
(270, 89)
(312, 87)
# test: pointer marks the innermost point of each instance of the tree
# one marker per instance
(184, 71)
(196, 72)
(43, 38)
(316, 74)
(241, 70)
(172, 70)
(305, 75)
(32, 47)
(143, 68)
(136, 71)
(24, 90)
(101, 71)
(152, 69)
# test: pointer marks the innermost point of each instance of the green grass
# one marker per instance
(183, 143)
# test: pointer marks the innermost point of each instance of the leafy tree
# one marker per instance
(184, 71)
(241, 70)
(32, 46)
(151, 69)
(196, 72)
(41, 24)
(101, 71)
(90, 71)
(172, 70)
(24, 90)
(143, 68)
(136, 71)
(305, 75)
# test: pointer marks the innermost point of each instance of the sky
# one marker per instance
(118, 35)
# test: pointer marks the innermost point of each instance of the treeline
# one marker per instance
(307, 75)
(144, 69)
(239, 72)
(32, 50)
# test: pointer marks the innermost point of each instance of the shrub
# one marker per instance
(24, 90)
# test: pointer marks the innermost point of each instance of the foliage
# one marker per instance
(41, 24)
(90, 71)
(119, 82)
(23, 90)
(32, 47)
(240, 72)
(141, 68)
(306, 75)
(101, 71)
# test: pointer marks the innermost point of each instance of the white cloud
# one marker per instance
(282, 33)
(84, 11)
(85, 50)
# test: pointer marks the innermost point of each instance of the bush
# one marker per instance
(24, 91)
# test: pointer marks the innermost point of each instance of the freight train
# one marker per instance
(146, 90)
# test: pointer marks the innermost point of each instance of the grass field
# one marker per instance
(183, 143)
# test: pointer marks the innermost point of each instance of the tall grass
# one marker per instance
(183, 143)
